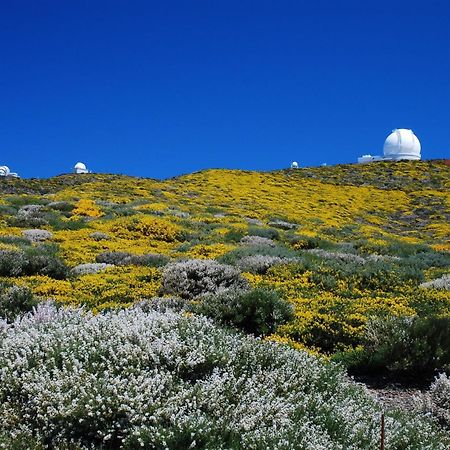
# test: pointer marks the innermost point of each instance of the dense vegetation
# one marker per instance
(349, 263)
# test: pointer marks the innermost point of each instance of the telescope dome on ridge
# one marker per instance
(80, 168)
(294, 165)
(4, 171)
(402, 144)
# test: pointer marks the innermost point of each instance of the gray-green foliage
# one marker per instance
(257, 311)
(14, 301)
(198, 277)
(39, 260)
(128, 259)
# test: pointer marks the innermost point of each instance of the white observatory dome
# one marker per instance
(402, 144)
(80, 168)
(4, 171)
(294, 165)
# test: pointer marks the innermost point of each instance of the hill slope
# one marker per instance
(348, 262)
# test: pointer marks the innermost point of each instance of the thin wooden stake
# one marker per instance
(382, 432)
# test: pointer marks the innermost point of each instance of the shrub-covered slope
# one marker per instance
(347, 262)
(342, 244)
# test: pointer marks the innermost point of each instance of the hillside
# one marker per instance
(347, 262)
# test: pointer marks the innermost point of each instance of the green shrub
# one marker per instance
(259, 311)
(415, 345)
(40, 260)
(269, 233)
(14, 301)
(233, 236)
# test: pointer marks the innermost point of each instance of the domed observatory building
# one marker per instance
(5, 172)
(80, 168)
(294, 165)
(402, 144)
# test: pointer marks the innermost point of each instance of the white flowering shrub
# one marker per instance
(29, 216)
(88, 268)
(133, 379)
(259, 264)
(257, 241)
(198, 277)
(436, 402)
(37, 235)
(439, 283)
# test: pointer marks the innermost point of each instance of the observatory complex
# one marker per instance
(5, 172)
(400, 145)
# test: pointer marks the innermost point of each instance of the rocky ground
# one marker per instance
(400, 393)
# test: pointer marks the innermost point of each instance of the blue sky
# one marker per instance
(161, 88)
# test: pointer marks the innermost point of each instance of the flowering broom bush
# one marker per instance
(163, 380)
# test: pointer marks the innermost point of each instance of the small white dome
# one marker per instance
(80, 166)
(4, 171)
(294, 165)
(402, 144)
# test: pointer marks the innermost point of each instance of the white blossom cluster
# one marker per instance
(162, 380)
(88, 268)
(439, 283)
(37, 235)
(257, 241)
(351, 257)
(437, 400)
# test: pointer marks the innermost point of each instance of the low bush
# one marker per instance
(40, 260)
(436, 401)
(268, 233)
(37, 235)
(233, 236)
(14, 301)
(128, 259)
(62, 206)
(439, 283)
(278, 251)
(115, 258)
(15, 240)
(259, 264)
(259, 311)
(257, 241)
(99, 236)
(415, 345)
(89, 268)
(198, 277)
(301, 242)
(283, 224)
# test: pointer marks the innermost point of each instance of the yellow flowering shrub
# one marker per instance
(86, 208)
(146, 226)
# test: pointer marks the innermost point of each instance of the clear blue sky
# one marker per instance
(160, 88)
